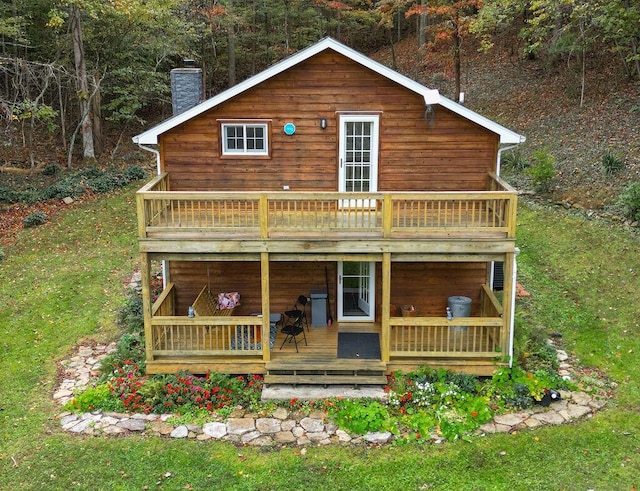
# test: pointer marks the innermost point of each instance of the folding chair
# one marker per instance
(292, 328)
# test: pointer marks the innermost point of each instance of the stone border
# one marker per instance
(283, 427)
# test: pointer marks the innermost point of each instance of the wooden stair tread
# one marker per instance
(340, 365)
(326, 380)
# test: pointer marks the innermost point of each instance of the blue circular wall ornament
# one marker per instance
(289, 129)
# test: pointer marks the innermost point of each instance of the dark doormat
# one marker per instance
(364, 345)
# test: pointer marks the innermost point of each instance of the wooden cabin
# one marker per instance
(333, 178)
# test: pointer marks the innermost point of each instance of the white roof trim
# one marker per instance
(150, 137)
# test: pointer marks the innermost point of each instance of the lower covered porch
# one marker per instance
(246, 341)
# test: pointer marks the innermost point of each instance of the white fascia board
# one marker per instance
(150, 137)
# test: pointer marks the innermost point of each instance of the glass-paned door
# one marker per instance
(358, 154)
(356, 291)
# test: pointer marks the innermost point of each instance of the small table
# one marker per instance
(273, 320)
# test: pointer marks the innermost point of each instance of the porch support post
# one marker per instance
(386, 306)
(508, 302)
(145, 271)
(266, 313)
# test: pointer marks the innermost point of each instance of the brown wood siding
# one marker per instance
(427, 286)
(453, 154)
(424, 285)
(288, 280)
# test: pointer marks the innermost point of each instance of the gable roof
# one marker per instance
(150, 137)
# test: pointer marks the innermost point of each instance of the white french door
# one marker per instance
(356, 291)
(358, 157)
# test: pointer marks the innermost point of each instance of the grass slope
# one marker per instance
(63, 282)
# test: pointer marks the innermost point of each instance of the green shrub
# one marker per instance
(535, 353)
(630, 201)
(8, 195)
(35, 218)
(515, 160)
(611, 163)
(129, 349)
(94, 398)
(51, 169)
(542, 171)
(76, 184)
(130, 314)
(361, 416)
(134, 173)
(105, 183)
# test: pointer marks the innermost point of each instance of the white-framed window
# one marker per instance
(245, 138)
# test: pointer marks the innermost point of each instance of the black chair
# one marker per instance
(299, 309)
(292, 328)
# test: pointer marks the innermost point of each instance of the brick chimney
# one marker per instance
(186, 87)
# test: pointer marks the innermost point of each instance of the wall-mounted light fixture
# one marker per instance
(323, 123)
(431, 97)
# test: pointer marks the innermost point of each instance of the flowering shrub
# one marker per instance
(184, 392)
(128, 389)
(125, 385)
(438, 401)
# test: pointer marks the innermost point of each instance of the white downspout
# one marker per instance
(512, 321)
(157, 153)
(499, 161)
(165, 270)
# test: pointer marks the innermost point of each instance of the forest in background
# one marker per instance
(78, 77)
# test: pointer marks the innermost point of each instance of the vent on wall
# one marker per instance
(186, 88)
(498, 276)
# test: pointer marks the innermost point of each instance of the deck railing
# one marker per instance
(264, 215)
(462, 337)
(206, 336)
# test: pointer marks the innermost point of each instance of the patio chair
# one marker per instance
(292, 328)
(299, 308)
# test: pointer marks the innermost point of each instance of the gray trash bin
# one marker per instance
(319, 308)
(460, 307)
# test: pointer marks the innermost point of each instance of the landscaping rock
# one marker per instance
(282, 427)
(281, 413)
(550, 417)
(240, 426)
(268, 425)
(133, 424)
(215, 430)
(284, 437)
(378, 437)
(312, 424)
(180, 432)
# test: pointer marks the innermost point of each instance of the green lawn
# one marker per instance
(63, 282)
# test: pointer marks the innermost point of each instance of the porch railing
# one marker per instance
(206, 336)
(264, 215)
(462, 337)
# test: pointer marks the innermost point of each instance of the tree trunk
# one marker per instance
(96, 113)
(82, 84)
(231, 45)
(457, 46)
(422, 25)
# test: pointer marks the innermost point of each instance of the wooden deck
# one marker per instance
(277, 215)
(413, 344)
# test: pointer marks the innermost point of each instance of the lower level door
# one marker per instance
(356, 291)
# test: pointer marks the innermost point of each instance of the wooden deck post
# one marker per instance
(266, 313)
(263, 217)
(145, 271)
(386, 306)
(387, 216)
(140, 209)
